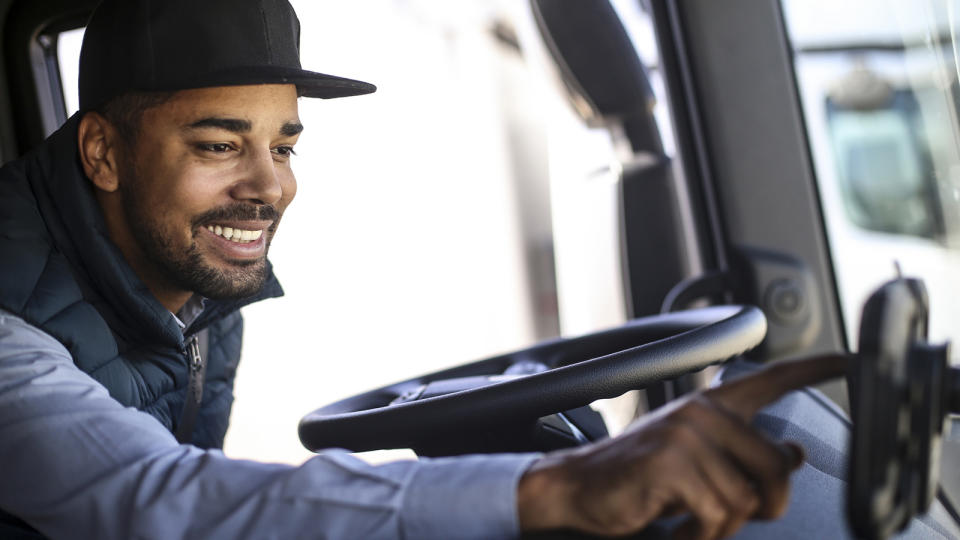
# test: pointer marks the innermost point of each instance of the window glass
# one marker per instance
(878, 86)
(68, 57)
(462, 211)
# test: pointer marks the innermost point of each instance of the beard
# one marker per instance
(186, 266)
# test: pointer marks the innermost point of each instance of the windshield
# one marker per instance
(879, 91)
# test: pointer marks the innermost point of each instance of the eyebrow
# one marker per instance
(234, 125)
(291, 128)
(237, 125)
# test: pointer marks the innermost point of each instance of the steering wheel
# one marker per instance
(498, 404)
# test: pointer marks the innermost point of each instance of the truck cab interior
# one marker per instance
(679, 185)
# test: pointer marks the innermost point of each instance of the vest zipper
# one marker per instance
(191, 406)
(196, 361)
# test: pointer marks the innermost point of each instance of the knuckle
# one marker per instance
(747, 506)
(711, 512)
(626, 518)
(745, 497)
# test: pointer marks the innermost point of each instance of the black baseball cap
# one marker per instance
(166, 45)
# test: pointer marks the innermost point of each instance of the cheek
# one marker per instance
(188, 196)
(288, 184)
(177, 189)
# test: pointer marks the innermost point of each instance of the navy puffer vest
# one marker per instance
(60, 272)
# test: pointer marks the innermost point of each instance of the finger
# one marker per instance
(748, 394)
(715, 463)
(764, 463)
(737, 493)
(799, 455)
(708, 514)
(774, 480)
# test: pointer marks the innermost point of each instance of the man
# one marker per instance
(133, 235)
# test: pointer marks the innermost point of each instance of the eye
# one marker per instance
(216, 148)
(284, 152)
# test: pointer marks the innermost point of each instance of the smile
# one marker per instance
(239, 236)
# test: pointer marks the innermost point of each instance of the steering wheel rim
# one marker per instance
(670, 345)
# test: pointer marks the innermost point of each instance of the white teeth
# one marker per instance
(239, 236)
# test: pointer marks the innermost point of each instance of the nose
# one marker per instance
(261, 181)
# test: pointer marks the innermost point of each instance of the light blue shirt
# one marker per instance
(74, 463)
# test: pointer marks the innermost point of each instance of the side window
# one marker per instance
(879, 90)
(68, 56)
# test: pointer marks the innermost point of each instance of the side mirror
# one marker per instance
(902, 388)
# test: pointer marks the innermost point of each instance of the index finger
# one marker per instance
(748, 394)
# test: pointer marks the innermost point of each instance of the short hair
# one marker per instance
(125, 111)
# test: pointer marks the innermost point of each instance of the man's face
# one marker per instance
(204, 186)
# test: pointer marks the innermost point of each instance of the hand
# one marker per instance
(697, 455)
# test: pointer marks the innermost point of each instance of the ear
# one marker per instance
(97, 140)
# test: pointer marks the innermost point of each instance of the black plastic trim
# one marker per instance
(37, 98)
(689, 133)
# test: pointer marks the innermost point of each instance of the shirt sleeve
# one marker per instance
(77, 464)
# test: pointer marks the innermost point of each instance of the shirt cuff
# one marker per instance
(464, 497)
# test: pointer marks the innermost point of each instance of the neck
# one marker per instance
(173, 301)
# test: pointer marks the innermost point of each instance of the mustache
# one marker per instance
(240, 212)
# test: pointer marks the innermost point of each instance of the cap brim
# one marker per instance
(308, 83)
